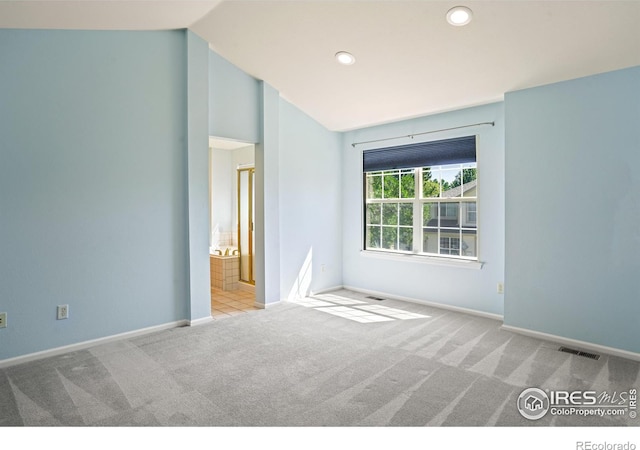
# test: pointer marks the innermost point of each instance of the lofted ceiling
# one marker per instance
(409, 60)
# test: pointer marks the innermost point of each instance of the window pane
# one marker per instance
(430, 214)
(449, 244)
(390, 214)
(469, 243)
(451, 181)
(430, 183)
(469, 215)
(374, 212)
(449, 215)
(392, 185)
(406, 214)
(373, 237)
(374, 186)
(469, 179)
(408, 184)
(406, 239)
(430, 240)
(389, 238)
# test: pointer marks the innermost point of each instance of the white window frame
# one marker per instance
(419, 201)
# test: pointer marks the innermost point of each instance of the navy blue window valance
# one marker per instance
(425, 154)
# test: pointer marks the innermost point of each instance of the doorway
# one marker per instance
(232, 235)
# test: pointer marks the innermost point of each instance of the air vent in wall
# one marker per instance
(573, 351)
(375, 298)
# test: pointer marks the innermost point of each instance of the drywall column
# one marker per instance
(198, 177)
(267, 199)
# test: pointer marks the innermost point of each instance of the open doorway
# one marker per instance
(231, 237)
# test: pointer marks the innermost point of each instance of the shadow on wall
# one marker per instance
(302, 284)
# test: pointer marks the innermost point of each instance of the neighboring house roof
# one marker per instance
(457, 191)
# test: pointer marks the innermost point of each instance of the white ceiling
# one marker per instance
(410, 62)
(103, 14)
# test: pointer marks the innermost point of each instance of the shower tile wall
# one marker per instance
(227, 239)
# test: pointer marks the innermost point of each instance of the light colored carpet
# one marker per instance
(310, 364)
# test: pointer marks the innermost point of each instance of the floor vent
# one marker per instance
(375, 298)
(573, 351)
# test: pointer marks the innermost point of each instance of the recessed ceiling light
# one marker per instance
(459, 16)
(345, 58)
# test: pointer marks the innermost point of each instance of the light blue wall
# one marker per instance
(454, 286)
(310, 204)
(573, 209)
(234, 100)
(93, 184)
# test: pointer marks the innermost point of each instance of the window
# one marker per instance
(422, 199)
(449, 245)
(389, 213)
(471, 213)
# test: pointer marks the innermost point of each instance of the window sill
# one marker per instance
(424, 259)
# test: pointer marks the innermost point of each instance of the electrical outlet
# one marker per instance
(63, 312)
(322, 267)
(3, 320)
(500, 288)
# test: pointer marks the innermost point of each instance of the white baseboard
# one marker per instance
(266, 305)
(579, 345)
(202, 321)
(327, 290)
(312, 293)
(459, 309)
(87, 344)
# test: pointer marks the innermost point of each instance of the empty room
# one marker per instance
(346, 214)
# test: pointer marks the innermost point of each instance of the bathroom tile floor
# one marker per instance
(229, 303)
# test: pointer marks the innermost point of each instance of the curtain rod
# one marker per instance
(420, 134)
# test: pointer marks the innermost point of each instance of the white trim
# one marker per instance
(582, 345)
(201, 321)
(312, 293)
(87, 344)
(266, 305)
(424, 259)
(327, 290)
(459, 309)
